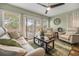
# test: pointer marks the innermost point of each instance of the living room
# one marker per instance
(39, 29)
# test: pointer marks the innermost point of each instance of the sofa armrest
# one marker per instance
(74, 36)
(11, 51)
(36, 52)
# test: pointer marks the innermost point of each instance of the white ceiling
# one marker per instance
(47, 4)
(34, 7)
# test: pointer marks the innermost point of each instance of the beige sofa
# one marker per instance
(17, 51)
(26, 50)
(71, 36)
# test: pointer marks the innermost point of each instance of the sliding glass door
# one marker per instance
(33, 25)
(11, 21)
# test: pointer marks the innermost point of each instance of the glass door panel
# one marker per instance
(45, 24)
(38, 25)
(30, 28)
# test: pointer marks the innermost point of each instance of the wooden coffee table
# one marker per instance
(45, 43)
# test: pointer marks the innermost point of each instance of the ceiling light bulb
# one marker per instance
(48, 8)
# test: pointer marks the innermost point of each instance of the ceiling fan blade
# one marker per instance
(46, 11)
(42, 5)
(56, 5)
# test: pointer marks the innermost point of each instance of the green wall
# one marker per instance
(67, 20)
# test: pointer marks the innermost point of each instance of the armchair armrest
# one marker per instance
(36, 52)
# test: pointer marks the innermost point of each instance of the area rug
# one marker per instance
(60, 49)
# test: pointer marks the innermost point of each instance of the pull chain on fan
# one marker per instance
(48, 8)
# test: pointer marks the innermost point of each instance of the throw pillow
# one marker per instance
(25, 44)
(14, 35)
(9, 42)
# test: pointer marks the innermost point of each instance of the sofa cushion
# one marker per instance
(9, 42)
(11, 51)
(24, 44)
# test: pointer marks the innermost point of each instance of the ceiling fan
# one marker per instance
(50, 6)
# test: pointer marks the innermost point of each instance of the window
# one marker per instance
(11, 21)
(0, 17)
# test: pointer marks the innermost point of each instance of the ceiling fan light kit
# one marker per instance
(51, 6)
(48, 8)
